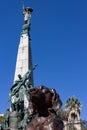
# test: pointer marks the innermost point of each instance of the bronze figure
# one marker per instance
(44, 103)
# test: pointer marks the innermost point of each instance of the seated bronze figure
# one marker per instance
(43, 103)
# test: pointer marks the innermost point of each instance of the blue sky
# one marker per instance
(59, 46)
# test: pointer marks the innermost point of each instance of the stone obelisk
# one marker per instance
(24, 56)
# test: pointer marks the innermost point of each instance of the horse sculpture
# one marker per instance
(44, 103)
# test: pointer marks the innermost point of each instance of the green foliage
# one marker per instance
(84, 124)
(62, 114)
(2, 120)
(73, 103)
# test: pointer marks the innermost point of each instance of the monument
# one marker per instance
(30, 104)
(16, 117)
(24, 56)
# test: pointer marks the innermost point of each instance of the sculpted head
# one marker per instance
(44, 97)
(44, 102)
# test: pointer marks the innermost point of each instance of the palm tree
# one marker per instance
(73, 103)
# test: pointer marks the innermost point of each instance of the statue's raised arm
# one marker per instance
(27, 74)
(21, 82)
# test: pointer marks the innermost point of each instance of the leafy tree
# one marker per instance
(84, 124)
(62, 114)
